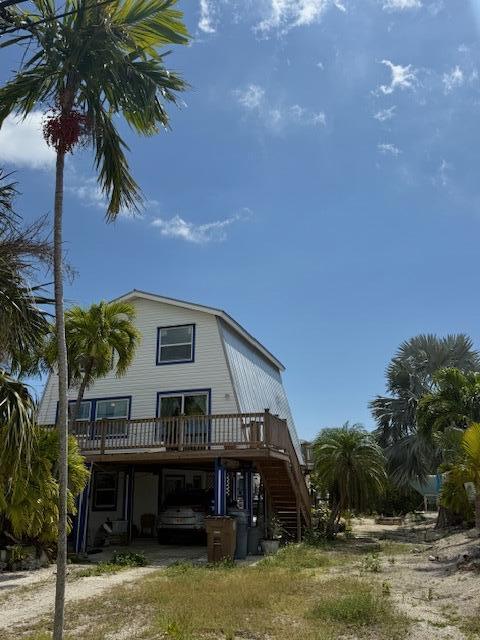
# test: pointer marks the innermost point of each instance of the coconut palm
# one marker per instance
(100, 339)
(97, 61)
(350, 466)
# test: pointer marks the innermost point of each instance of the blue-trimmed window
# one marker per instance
(176, 344)
(112, 409)
(85, 411)
(105, 490)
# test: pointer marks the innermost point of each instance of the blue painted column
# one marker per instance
(128, 498)
(220, 487)
(80, 523)
(249, 494)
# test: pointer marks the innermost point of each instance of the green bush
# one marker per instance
(128, 559)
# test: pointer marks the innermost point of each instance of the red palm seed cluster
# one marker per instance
(63, 131)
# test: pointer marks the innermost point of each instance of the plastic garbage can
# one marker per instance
(221, 538)
(241, 517)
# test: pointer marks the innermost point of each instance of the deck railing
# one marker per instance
(184, 433)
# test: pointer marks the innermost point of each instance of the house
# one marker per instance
(201, 407)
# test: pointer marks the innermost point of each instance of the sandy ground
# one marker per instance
(424, 582)
(434, 593)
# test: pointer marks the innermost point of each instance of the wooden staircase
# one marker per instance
(286, 488)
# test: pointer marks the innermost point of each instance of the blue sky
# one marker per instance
(320, 184)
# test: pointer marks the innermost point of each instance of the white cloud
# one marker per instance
(275, 117)
(22, 143)
(385, 114)
(206, 22)
(388, 149)
(442, 178)
(287, 14)
(453, 79)
(401, 5)
(401, 77)
(86, 189)
(252, 97)
(182, 229)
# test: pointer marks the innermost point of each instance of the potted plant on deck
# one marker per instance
(273, 535)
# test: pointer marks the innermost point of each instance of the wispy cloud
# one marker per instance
(401, 77)
(453, 79)
(86, 190)
(181, 229)
(442, 177)
(206, 22)
(401, 5)
(22, 143)
(388, 149)
(385, 114)
(254, 100)
(284, 15)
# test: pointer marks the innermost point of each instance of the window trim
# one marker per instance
(72, 403)
(97, 400)
(93, 407)
(183, 361)
(94, 505)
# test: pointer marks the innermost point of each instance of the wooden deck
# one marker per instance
(261, 437)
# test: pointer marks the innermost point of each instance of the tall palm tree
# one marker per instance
(100, 339)
(350, 466)
(99, 60)
(410, 376)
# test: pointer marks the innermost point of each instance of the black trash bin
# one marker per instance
(241, 516)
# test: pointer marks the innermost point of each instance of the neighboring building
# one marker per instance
(201, 407)
(307, 453)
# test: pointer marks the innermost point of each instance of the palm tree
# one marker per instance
(23, 323)
(410, 376)
(95, 62)
(350, 466)
(100, 339)
(453, 404)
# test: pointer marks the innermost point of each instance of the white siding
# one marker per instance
(144, 378)
(258, 384)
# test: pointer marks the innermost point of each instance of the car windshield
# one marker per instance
(187, 498)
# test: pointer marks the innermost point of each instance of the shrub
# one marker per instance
(128, 559)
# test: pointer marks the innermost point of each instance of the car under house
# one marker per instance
(201, 411)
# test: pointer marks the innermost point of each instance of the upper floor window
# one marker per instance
(83, 413)
(112, 409)
(176, 344)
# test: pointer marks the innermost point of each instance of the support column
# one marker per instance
(299, 522)
(248, 475)
(128, 501)
(220, 507)
(80, 524)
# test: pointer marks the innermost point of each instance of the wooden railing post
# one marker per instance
(102, 437)
(267, 426)
(181, 434)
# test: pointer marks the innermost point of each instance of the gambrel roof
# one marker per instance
(219, 313)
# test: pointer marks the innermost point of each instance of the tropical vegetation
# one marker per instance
(349, 467)
(97, 61)
(100, 339)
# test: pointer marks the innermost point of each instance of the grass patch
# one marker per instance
(352, 602)
(283, 597)
(471, 627)
(297, 557)
(99, 569)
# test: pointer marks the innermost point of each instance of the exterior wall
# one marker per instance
(144, 379)
(97, 517)
(258, 384)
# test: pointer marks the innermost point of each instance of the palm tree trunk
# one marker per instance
(81, 390)
(62, 425)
